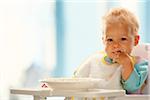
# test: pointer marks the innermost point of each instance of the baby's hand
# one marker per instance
(121, 57)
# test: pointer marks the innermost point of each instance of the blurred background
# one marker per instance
(50, 38)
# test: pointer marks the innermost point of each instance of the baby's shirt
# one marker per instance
(102, 67)
(97, 66)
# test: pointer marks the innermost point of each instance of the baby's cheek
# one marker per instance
(108, 50)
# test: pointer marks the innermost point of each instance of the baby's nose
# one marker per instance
(116, 45)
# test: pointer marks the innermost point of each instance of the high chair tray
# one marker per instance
(46, 92)
(89, 93)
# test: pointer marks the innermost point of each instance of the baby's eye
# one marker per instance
(109, 40)
(123, 39)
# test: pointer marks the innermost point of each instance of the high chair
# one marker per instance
(142, 50)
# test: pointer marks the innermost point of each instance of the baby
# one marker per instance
(117, 68)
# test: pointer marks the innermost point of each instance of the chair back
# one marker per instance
(143, 50)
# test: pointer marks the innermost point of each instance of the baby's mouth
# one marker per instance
(117, 51)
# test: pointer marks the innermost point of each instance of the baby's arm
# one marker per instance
(127, 62)
(136, 78)
(133, 74)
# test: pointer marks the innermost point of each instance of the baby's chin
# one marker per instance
(113, 55)
(113, 59)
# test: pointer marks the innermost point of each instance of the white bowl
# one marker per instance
(70, 83)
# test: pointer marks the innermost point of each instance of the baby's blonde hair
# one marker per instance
(123, 17)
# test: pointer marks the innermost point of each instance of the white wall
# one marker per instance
(82, 31)
(26, 35)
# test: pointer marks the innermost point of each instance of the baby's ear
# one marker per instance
(136, 40)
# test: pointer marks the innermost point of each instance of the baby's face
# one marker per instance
(117, 39)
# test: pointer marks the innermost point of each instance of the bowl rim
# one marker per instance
(69, 80)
